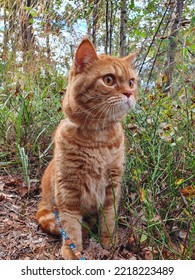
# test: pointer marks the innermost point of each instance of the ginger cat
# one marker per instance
(88, 158)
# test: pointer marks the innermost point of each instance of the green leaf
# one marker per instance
(27, 8)
(31, 20)
(193, 19)
(192, 47)
(143, 237)
(132, 5)
(33, 13)
(185, 52)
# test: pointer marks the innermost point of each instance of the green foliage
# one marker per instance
(160, 163)
(30, 109)
(160, 133)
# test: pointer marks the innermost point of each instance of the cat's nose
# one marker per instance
(127, 93)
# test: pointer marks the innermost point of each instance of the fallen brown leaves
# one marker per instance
(21, 238)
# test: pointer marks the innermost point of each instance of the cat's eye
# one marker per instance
(109, 80)
(131, 83)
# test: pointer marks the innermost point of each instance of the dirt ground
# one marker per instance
(22, 239)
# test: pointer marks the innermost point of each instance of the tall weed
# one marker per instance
(160, 164)
(30, 109)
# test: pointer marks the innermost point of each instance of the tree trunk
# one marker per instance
(123, 28)
(48, 49)
(95, 19)
(173, 45)
(5, 36)
(10, 34)
(109, 26)
(26, 29)
(47, 30)
(13, 29)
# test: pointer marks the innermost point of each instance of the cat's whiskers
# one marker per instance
(109, 112)
(88, 111)
(107, 107)
(91, 111)
(114, 103)
(112, 109)
(113, 112)
(96, 97)
(102, 107)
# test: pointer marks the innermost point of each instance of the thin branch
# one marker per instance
(154, 37)
(186, 48)
(157, 53)
(107, 30)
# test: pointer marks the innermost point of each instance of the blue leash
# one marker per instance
(64, 234)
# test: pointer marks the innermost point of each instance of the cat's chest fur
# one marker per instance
(90, 158)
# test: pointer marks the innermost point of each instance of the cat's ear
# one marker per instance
(130, 59)
(85, 53)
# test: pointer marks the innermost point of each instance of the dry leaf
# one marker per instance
(2, 184)
(23, 191)
(131, 151)
(188, 192)
(132, 126)
(179, 181)
(182, 234)
(2, 196)
(12, 182)
(142, 194)
(148, 254)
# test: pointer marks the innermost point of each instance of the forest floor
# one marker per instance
(22, 239)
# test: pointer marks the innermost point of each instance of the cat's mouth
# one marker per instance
(131, 102)
(122, 107)
(128, 103)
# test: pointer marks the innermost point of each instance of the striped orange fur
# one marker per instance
(88, 158)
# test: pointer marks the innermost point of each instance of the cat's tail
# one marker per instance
(46, 219)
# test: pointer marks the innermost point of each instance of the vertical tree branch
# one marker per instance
(154, 37)
(111, 26)
(26, 28)
(95, 19)
(5, 36)
(107, 28)
(122, 50)
(158, 50)
(47, 31)
(173, 44)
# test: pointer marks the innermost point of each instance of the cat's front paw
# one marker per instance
(108, 242)
(68, 254)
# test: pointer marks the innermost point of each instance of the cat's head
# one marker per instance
(101, 88)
